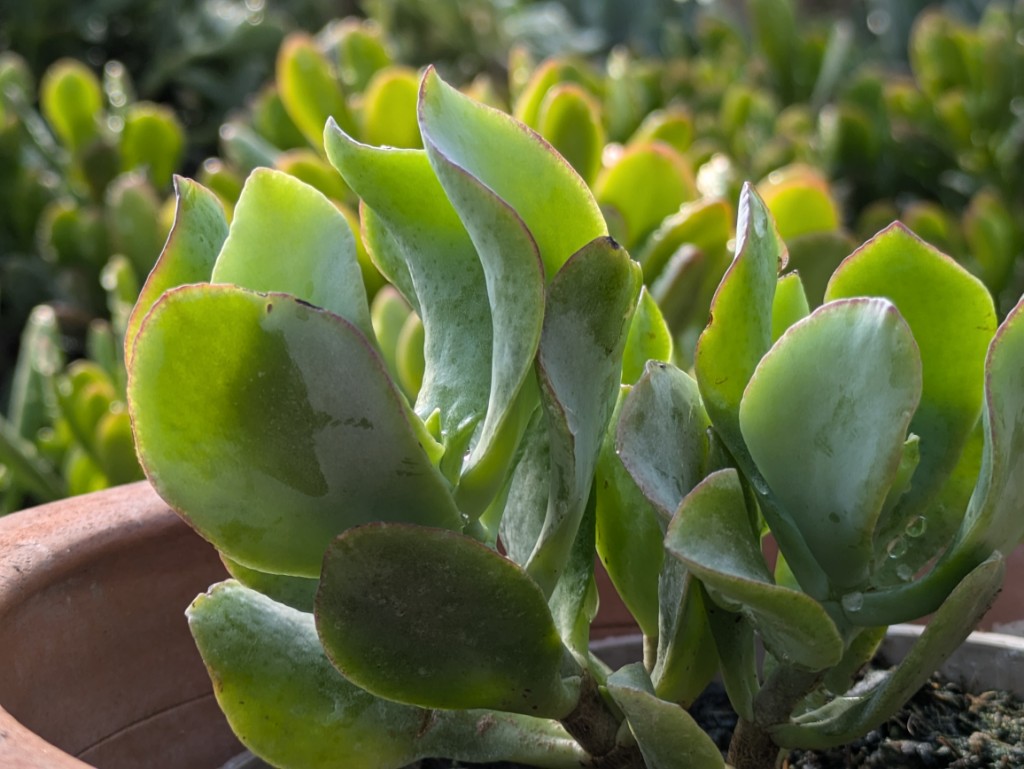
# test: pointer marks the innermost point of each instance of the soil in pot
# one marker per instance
(941, 727)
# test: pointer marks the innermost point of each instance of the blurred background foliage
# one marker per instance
(847, 115)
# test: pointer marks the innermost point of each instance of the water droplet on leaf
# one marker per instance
(896, 548)
(904, 572)
(853, 601)
(917, 526)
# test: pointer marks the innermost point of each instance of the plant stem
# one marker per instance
(752, 746)
(593, 725)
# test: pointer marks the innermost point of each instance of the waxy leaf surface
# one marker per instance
(589, 306)
(309, 91)
(513, 272)
(712, 535)
(199, 230)
(444, 274)
(645, 185)
(517, 164)
(952, 317)
(825, 418)
(286, 236)
(290, 706)
(272, 426)
(431, 617)
(668, 736)
(662, 436)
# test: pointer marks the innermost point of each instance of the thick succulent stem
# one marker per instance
(752, 746)
(593, 725)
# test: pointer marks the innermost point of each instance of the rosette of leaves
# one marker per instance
(874, 438)
(347, 512)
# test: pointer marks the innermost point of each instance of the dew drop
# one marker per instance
(896, 548)
(917, 526)
(853, 601)
(904, 572)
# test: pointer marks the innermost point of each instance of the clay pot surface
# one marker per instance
(99, 667)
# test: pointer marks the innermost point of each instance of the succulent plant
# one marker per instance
(413, 560)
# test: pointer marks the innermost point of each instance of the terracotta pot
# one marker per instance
(98, 665)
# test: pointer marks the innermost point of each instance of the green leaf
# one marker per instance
(672, 126)
(589, 306)
(570, 119)
(645, 185)
(132, 213)
(845, 718)
(199, 230)
(309, 91)
(789, 305)
(389, 109)
(662, 436)
(687, 655)
(414, 225)
(993, 520)
(153, 139)
(272, 426)
(711, 534)
(286, 236)
(842, 424)
(739, 332)
(649, 339)
(297, 592)
(514, 276)
(431, 617)
(668, 736)
(800, 201)
(953, 320)
(629, 534)
(288, 704)
(71, 100)
(518, 165)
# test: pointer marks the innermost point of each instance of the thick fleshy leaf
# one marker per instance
(433, 618)
(842, 425)
(740, 330)
(288, 704)
(389, 313)
(134, 226)
(845, 718)
(953, 320)
(993, 520)
(816, 256)
(711, 533)
(668, 736)
(389, 109)
(286, 236)
(296, 592)
(537, 183)
(570, 119)
(526, 498)
(589, 306)
(649, 339)
(573, 602)
(309, 91)
(152, 139)
(514, 276)
(71, 100)
(789, 305)
(706, 224)
(662, 436)
(687, 657)
(672, 126)
(646, 184)
(445, 276)
(629, 534)
(272, 426)
(800, 201)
